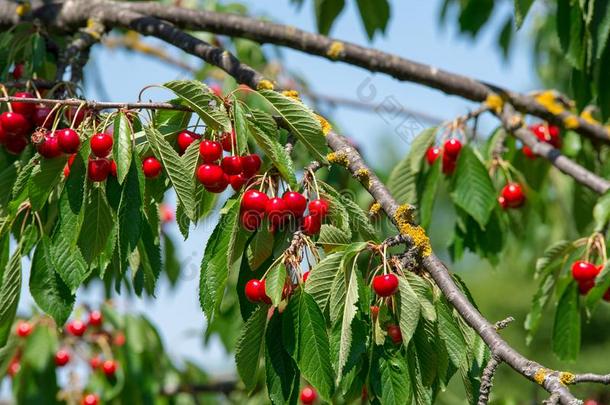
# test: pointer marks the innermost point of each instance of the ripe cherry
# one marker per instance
(76, 115)
(276, 211)
(43, 117)
(585, 286)
(452, 148)
(185, 139)
(305, 276)
(513, 195)
(15, 144)
(68, 139)
(216, 89)
(13, 367)
(250, 164)
(49, 147)
(3, 135)
(231, 165)
(209, 174)
(119, 339)
(18, 71)
(62, 357)
(296, 203)
(432, 154)
(166, 213)
(90, 399)
(26, 109)
(98, 169)
(24, 329)
(77, 327)
(311, 225)
(109, 367)
(237, 181)
(395, 334)
(14, 123)
(584, 271)
(251, 220)
(308, 395)
(374, 311)
(101, 144)
(254, 200)
(220, 186)
(113, 168)
(607, 295)
(228, 141)
(528, 152)
(95, 362)
(318, 207)
(253, 290)
(502, 202)
(385, 285)
(448, 164)
(151, 167)
(210, 151)
(95, 318)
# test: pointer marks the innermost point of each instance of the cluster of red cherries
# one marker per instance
(544, 133)
(449, 153)
(386, 285)
(217, 172)
(585, 272)
(63, 356)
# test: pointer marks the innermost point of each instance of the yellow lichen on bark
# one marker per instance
(375, 208)
(494, 102)
(338, 158)
(363, 175)
(404, 220)
(293, 94)
(571, 122)
(540, 375)
(548, 100)
(326, 127)
(566, 378)
(265, 85)
(335, 49)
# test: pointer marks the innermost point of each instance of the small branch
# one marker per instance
(592, 378)
(98, 105)
(504, 323)
(487, 380)
(552, 400)
(221, 387)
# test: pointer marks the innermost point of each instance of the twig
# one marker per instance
(98, 105)
(487, 380)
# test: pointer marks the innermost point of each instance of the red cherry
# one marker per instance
(590, 402)
(220, 186)
(3, 135)
(90, 399)
(166, 213)
(385, 285)
(98, 169)
(109, 367)
(24, 329)
(14, 123)
(528, 152)
(151, 167)
(502, 202)
(210, 151)
(305, 276)
(119, 339)
(237, 181)
(77, 327)
(210, 174)
(253, 290)
(607, 295)
(228, 141)
(18, 71)
(231, 165)
(68, 139)
(584, 271)
(95, 362)
(277, 211)
(395, 334)
(374, 311)
(13, 367)
(308, 395)
(15, 144)
(585, 286)
(251, 220)
(95, 318)
(49, 147)
(113, 168)
(72, 116)
(254, 200)
(26, 109)
(101, 144)
(250, 164)
(452, 148)
(62, 357)
(318, 207)
(311, 225)
(448, 164)
(185, 139)
(43, 117)
(432, 154)
(513, 195)
(216, 89)
(296, 203)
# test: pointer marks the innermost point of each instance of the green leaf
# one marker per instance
(10, 290)
(521, 9)
(97, 225)
(449, 331)
(327, 12)
(349, 312)
(408, 311)
(321, 276)
(121, 149)
(601, 212)
(306, 339)
(241, 124)
(554, 253)
(68, 262)
(282, 375)
(472, 189)
(150, 258)
(8, 176)
(602, 283)
(390, 380)
(427, 196)
(350, 212)
(250, 347)
(202, 100)
(274, 284)
(541, 298)
(566, 328)
(375, 15)
(40, 348)
(129, 214)
(44, 178)
(49, 291)
(260, 248)
(175, 169)
(423, 289)
(300, 121)
(332, 237)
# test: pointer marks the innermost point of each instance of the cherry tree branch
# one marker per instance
(98, 105)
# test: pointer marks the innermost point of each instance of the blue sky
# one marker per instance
(413, 32)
